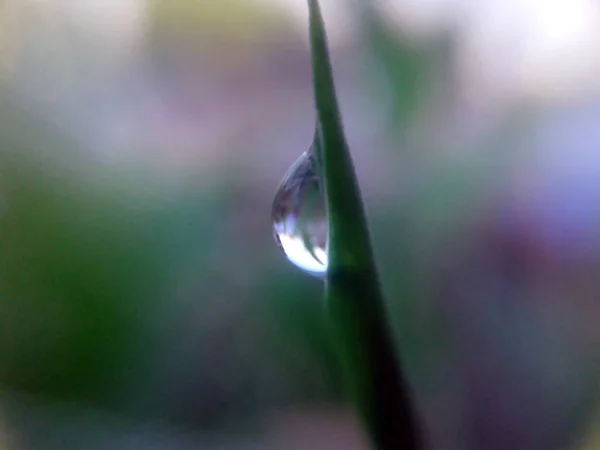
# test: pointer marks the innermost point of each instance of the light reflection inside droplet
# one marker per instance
(299, 218)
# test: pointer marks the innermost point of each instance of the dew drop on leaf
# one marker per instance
(299, 218)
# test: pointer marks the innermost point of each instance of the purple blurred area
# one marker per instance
(474, 131)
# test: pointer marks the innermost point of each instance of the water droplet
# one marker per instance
(299, 218)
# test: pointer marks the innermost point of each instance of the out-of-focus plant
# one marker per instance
(410, 77)
(229, 31)
(84, 255)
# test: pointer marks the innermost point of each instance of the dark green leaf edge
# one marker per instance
(354, 300)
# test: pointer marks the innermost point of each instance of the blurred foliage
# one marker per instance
(405, 75)
(85, 252)
(591, 438)
(227, 18)
(228, 30)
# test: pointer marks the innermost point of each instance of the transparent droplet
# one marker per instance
(299, 219)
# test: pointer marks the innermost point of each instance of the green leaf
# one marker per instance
(354, 299)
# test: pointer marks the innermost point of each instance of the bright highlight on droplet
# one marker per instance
(299, 218)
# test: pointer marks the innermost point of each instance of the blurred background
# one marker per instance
(143, 301)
